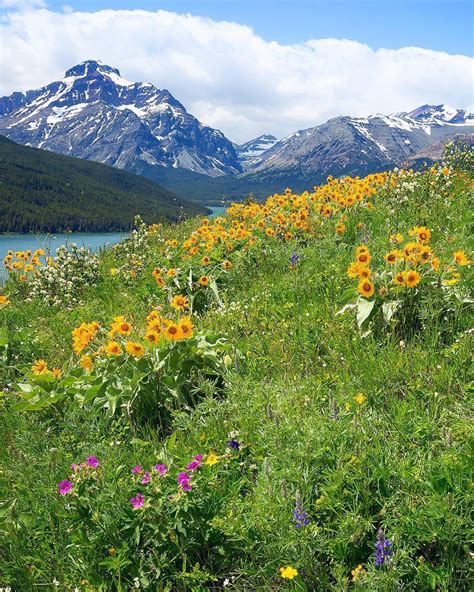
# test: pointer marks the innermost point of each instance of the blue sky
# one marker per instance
(444, 25)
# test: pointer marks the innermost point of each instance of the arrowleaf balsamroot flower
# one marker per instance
(366, 288)
(461, 258)
(180, 302)
(113, 349)
(39, 367)
(173, 331)
(186, 327)
(86, 363)
(4, 301)
(134, 349)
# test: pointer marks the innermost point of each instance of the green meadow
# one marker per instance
(285, 426)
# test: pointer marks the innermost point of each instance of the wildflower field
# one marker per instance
(274, 399)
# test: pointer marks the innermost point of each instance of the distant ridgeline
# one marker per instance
(45, 192)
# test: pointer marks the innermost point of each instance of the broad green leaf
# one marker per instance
(389, 309)
(364, 310)
(213, 286)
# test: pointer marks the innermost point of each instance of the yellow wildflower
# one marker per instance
(288, 572)
(39, 367)
(134, 349)
(212, 459)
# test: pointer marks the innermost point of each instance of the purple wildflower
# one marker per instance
(183, 481)
(75, 467)
(294, 259)
(383, 550)
(138, 501)
(93, 461)
(233, 444)
(198, 457)
(300, 517)
(146, 478)
(193, 465)
(137, 469)
(162, 469)
(65, 487)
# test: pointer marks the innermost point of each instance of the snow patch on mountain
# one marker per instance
(253, 149)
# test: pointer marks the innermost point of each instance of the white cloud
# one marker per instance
(22, 4)
(225, 74)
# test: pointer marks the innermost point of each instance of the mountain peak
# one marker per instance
(429, 112)
(91, 67)
(94, 113)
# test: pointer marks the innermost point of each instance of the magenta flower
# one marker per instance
(198, 457)
(65, 487)
(193, 465)
(93, 461)
(183, 481)
(138, 501)
(162, 469)
(137, 469)
(75, 467)
(146, 478)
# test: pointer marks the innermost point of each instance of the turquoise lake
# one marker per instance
(50, 242)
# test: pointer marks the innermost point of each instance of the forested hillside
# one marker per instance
(43, 191)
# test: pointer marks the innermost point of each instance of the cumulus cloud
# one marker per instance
(225, 74)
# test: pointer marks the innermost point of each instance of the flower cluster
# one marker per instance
(133, 251)
(383, 550)
(157, 330)
(158, 472)
(300, 516)
(4, 301)
(79, 472)
(405, 266)
(83, 335)
(40, 367)
(357, 572)
(25, 264)
(61, 280)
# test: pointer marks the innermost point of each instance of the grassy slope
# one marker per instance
(42, 191)
(401, 460)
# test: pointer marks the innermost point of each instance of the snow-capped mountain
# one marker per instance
(94, 113)
(249, 152)
(357, 145)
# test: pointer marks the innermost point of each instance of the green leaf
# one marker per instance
(171, 442)
(213, 286)
(364, 310)
(389, 309)
(3, 336)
